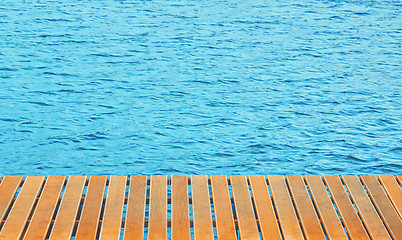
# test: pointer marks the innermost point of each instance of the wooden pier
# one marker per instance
(197, 207)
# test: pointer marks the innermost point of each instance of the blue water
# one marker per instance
(200, 87)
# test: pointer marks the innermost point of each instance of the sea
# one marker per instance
(200, 87)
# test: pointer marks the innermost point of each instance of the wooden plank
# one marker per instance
(284, 207)
(225, 227)
(393, 190)
(379, 209)
(264, 208)
(399, 178)
(180, 208)
(370, 218)
(111, 224)
(157, 228)
(135, 216)
(8, 189)
(345, 208)
(65, 218)
(244, 208)
(201, 208)
(19, 214)
(304, 207)
(384, 206)
(91, 210)
(44, 211)
(325, 209)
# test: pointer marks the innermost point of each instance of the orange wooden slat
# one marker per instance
(180, 208)
(43, 214)
(345, 208)
(8, 188)
(393, 190)
(225, 227)
(325, 209)
(284, 207)
(135, 216)
(19, 214)
(157, 228)
(201, 208)
(399, 178)
(384, 206)
(111, 224)
(305, 208)
(378, 208)
(91, 210)
(65, 218)
(244, 208)
(370, 218)
(264, 208)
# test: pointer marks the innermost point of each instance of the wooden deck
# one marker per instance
(198, 207)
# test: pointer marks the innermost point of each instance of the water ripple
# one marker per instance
(123, 87)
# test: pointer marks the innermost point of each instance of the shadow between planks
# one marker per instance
(201, 207)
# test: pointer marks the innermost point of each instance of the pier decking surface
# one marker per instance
(197, 207)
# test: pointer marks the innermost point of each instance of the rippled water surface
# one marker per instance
(200, 87)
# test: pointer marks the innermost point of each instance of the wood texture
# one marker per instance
(244, 208)
(284, 207)
(65, 218)
(157, 229)
(384, 206)
(91, 210)
(201, 208)
(365, 208)
(264, 208)
(135, 217)
(313, 207)
(8, 189)
(21, 209)
(40, 222)
(345, 208)
(325, 209)
(304, 207)
(180, 208)
(393, 191)
(225, 227)
(111, 225)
